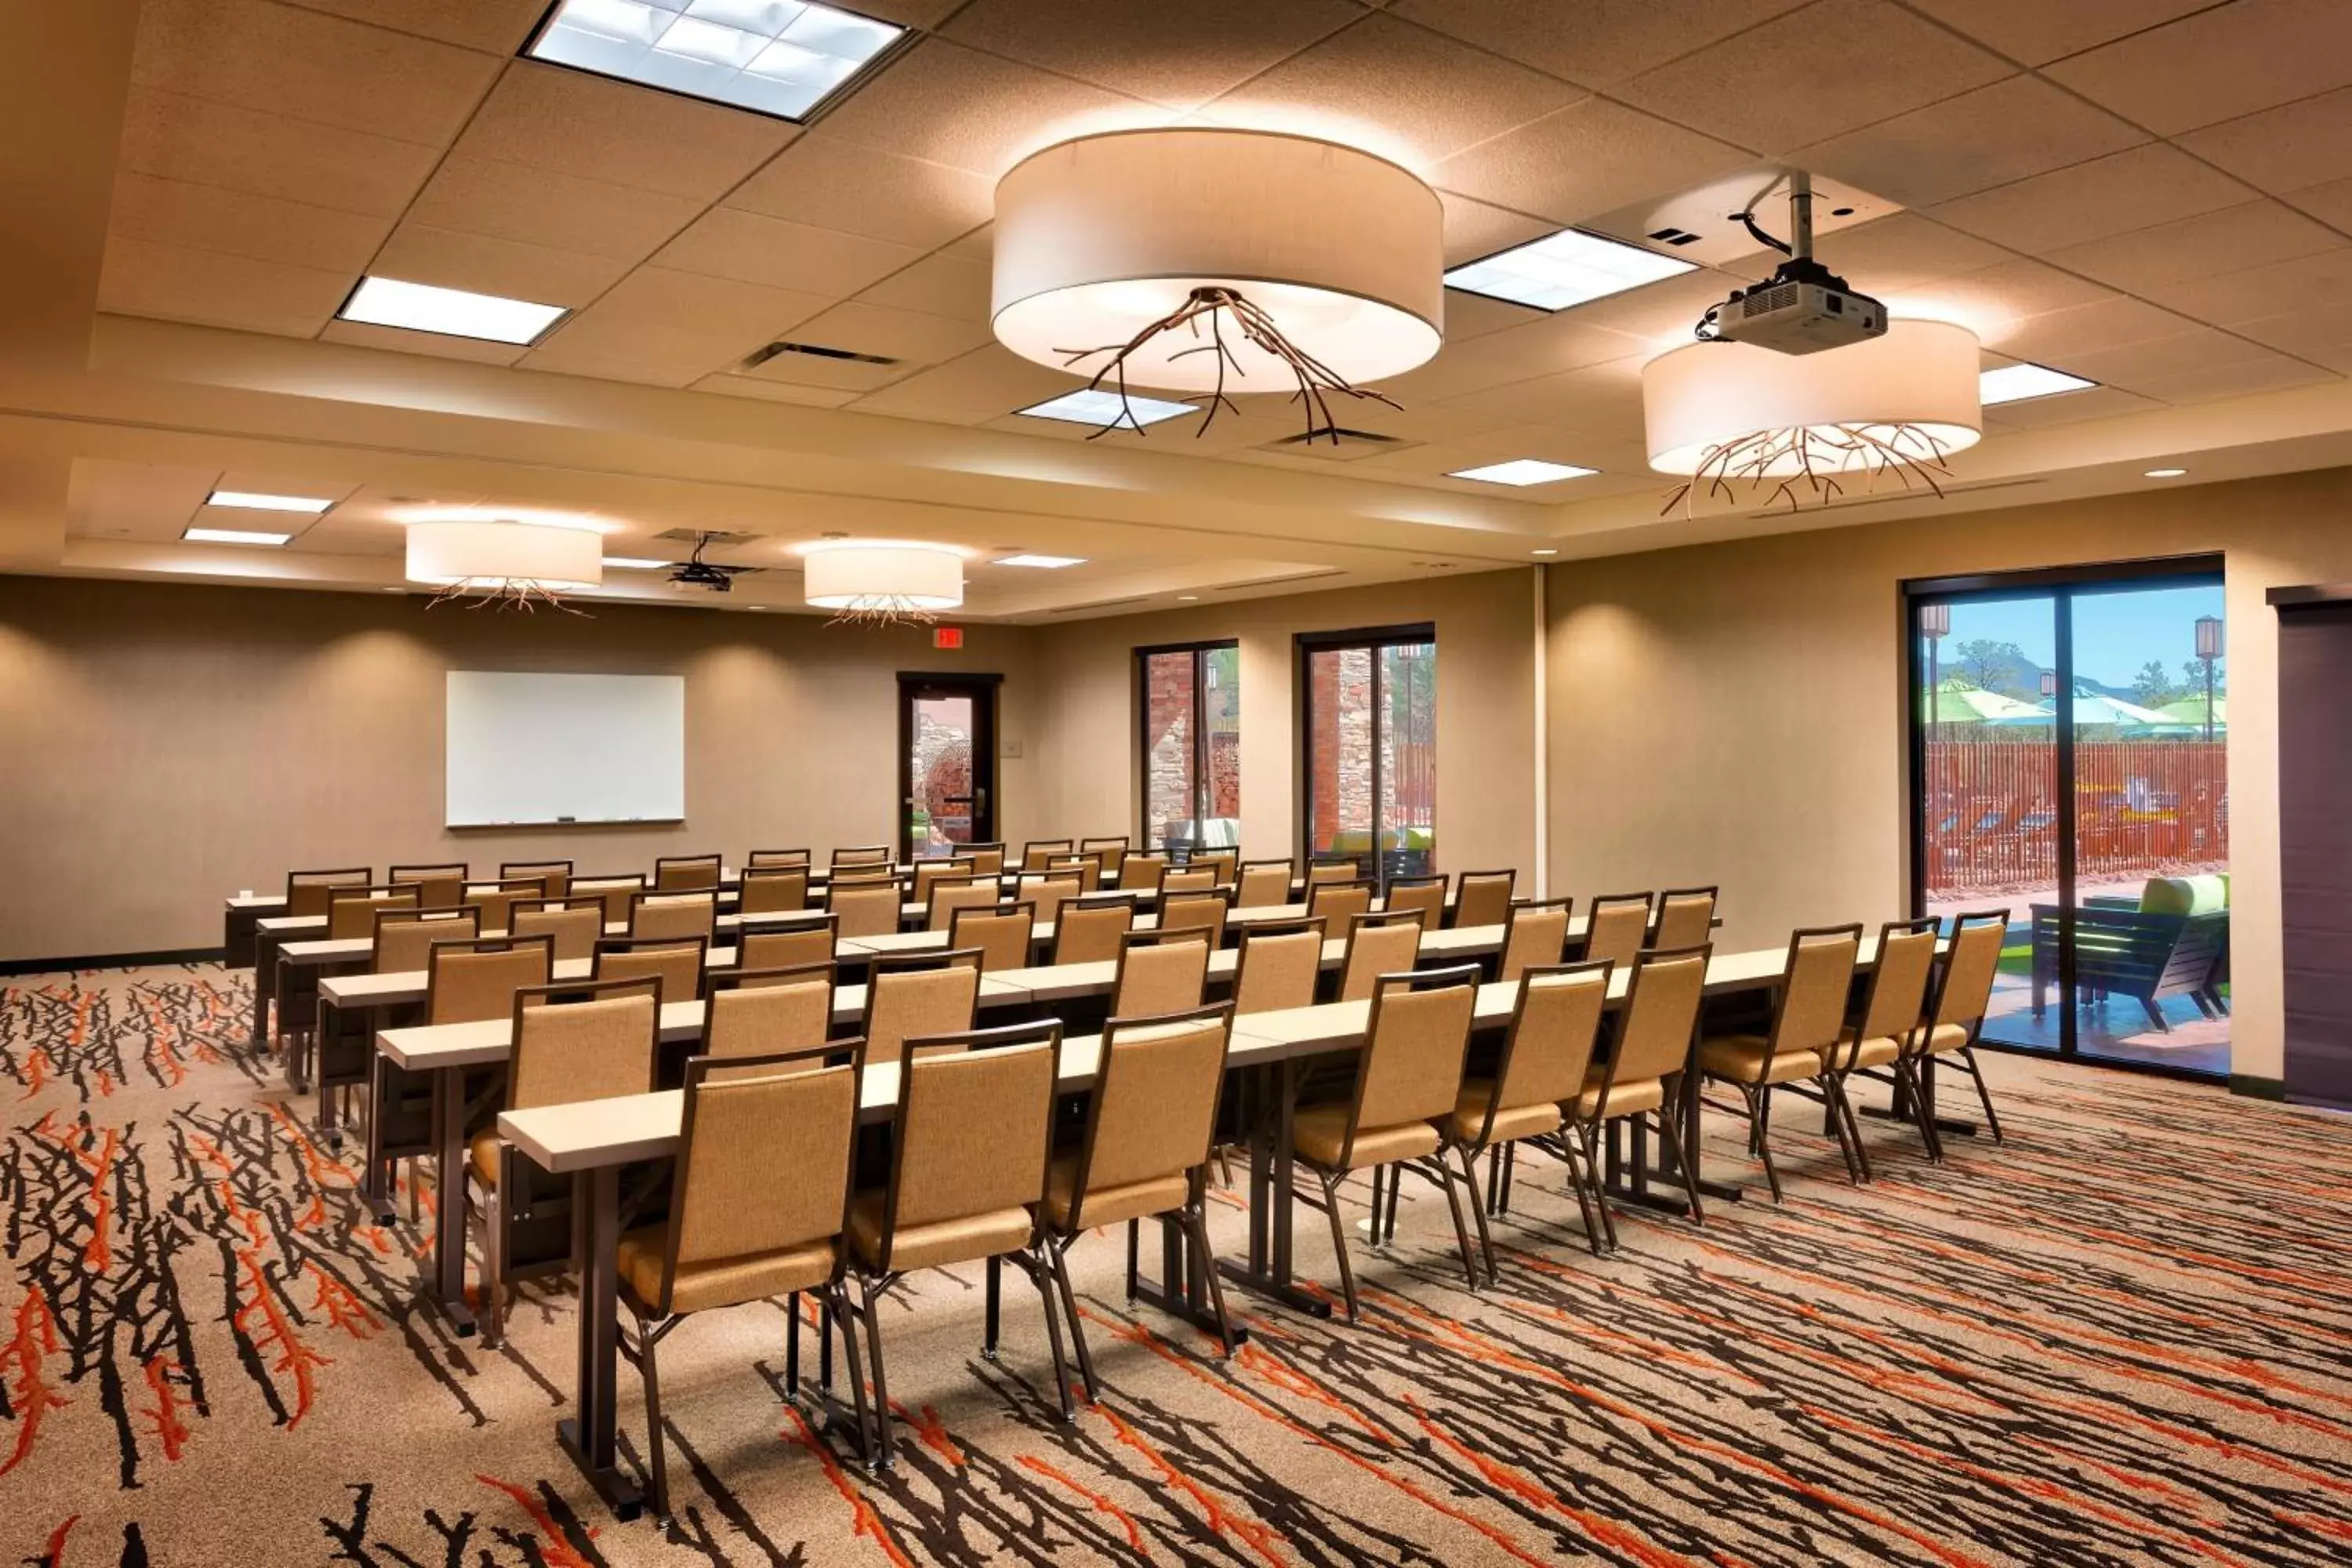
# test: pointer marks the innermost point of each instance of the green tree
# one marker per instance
(1991, 666)
(2151, 687)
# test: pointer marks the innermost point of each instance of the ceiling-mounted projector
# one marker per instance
(1804, 307)
(697, 572)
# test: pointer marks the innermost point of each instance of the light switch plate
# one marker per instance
(1011, 749)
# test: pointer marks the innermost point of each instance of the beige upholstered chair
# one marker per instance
(441, 887)
(1111, 851)
(1189, 879)
(677, 961)
(1423, 895)
(987, 859)
(666, 915)
(1808, 1017)
(1264, 884)
(1962, 999)
(1150, 1125)
(758, 1012)
(871, 909)
(1205, 911)
(1644, 1075)
(405, 938)
(1554, 1027)
(914, 994)
(1038, 853)
(772, 889)
(766, 1159)
(1483, 898)
(498, 900)
(952, 896)
(776, 860)
(1337, 901)
(1088, 930)
(686, 874)
(788, 949)
(864, 855)
(466, 982)
(575, 924)
(619, 893)
(1884, 1043)
(1407, 1081)
(350, 914)
(1047, 894)
(929, 874)
(1086, 869)
(1534, 936)
(1330, 869)
(1278, 965)
(1222, 865)
(553, 876)
(1617, 928)
(309, 893)
(1377, 945)
(572, 1041)
(1685, 918)
(973, 1133)
(1159, 971)
(1001, 937)
(1142, 872)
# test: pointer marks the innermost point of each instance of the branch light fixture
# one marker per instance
(881, 581)
(504, 562)
(1219, 261)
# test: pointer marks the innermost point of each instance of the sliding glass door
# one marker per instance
(1370, 724)
(1190, 705)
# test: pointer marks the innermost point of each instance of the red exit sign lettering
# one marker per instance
(947, 636)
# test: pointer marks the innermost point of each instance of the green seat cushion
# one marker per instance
(2203, 895)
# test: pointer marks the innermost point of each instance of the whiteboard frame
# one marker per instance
(675, 692)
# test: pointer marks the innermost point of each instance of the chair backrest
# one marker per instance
(756, 1012)
(1685, 918)
(553, 876)
(1617, 928)
(1810, 1013)
(1195, 912)
(915, 993)
(1001, 937)
(987, 859)
(1047, 893)
(403, 938)
(674, 914)
(575, 924)
(869, 910)
(309, 893)
(1089, 933)
(950, 896)
(499, 899)
(1111, 851)
(1483, 898)
(940, 1171)
(776, 860)
(1377, 945)
(1263, 884)
(677, 961)
(1153, 1112)
(466, 982)
(686, 873)
(766, 1158)
(1086, 869)
(618, 893)
(1662, 1005)
(1222, 865)
(1410, 1066)
(929, 874)
(1319, 872)
(1279, 965)
(1974, 955)
(788, 949)
(1336, 902)
(1145, 871)
(352, 912)
(1038, 852)
(1159, 971)
(1555, 1025)
(1421, 896)
(1189, 879)
(439, 887)
(596, 1040)
(862, 855)
(1534, 936)
(767, 889)
(1898, 997)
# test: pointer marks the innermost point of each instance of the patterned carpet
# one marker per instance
(2120, 1339)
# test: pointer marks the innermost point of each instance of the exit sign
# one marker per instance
(947, 636)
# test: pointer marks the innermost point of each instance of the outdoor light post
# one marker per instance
(2048, 683)
(2209, 648)
(1935, 625)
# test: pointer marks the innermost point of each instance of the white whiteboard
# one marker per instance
(527, 748)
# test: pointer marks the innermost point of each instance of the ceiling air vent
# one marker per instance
(707, 536)
(1337, 444)
(815, 350)
(1673, 236)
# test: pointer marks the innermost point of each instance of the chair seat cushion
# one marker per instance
(1749, 1058)
(1948, 1037)
(1624, 1099)
(939, 1244)
(1874, 1052)
(483, 1155)
(1109, 1205)
(1512, 1121)
(1320, 1135)
(720, 1281)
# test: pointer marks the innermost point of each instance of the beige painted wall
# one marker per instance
(1732, 714)
(166, 745)
(1086, 769)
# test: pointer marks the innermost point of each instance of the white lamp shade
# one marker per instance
(491, 555)
(1921, 374)
(881, 575)
(1095, 239)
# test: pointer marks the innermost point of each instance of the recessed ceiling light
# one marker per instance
(1049, 562)
(1563, 270)
(1186, 599)
(1543, 552)
(1522, 471)
(632, 564)
(2016, 383)
(775, 57)
(452, 312)
(1092, 406)
(233, 536)
(2166, 473)
(259, 500)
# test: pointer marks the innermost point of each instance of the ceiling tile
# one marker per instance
(2218, 64)
(1396, 90)
(335, 536)
(493, 26)
(2319, 334)
(678, 360)
(2125, 191)
(941, 285)
(2310, 283)
(727, 242)
(2070, 408)
(1603, 400)
(1903, 252)
(947, 104)
(2136, 365)
(822, 372)
(177, 283)
(564, 212)
(2331, 203)
(1587, 158)
(1476, 230)
(868, 329)
(1660, 315)
(363, 334)
(678, 326)
(2013, 129)
(212, 217)
(2059, 338)
(1469, 316)
(204, 143)
(1607, 41)
(2033, 32)
(1544, 345)
(1180, 55)
(482, 264)
(1814, 74)
(775, 391)
(575, 123)
(907, 13)
(1994, 300)
(827, 182)
(106, 497)
(986, 383)
(2201, 247)
(2283, 149)
(2247, 378)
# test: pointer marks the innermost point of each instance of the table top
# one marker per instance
(404, 986)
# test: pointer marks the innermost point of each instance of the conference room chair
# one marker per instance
(776, 860)
(1038, 853)
(987, 859)
(576, 924)
(758, 1012)
(954, 1198)
(674, 915)
(1047, 894)
(1159, 971)
(1330, 869)
(439, 887)
(916, 994)
(1143, 1153)
(1421, 896)
(1807, 1015)
(1962, 999)
(957, 868)
(1111, 851)
(402, 940)
(1685, 918)
(352, 912)
(1535, 935)
(309, 893)
(772, 889)
(1221, 864)
(789, 948)
(759, 1206)
(619, 893)
(1408, 1080)
(498, 900)
(687, 873)
(1146, 873)
(1483, 898)
(677, 962)
(1203, 911)
(1617, 928)
(870, 909)
(1278, 966)
(554, 876)
(1086, 869)
(953, 895)
(1000, 936)
(1189, 879)
(405, 938)
(1642, 1076)
(867, 877)
(1377, 945)
(1336, 902)
(862, 855)
(1880, 1044)
(571, 1043)
(1264, 884)
(1547, 1052)
(1088, 931)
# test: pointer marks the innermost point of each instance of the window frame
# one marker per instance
(1198, 652)
(1305, 646)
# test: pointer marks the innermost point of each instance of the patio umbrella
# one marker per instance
(2090, 708)
(2190, 711)
(1957, 702)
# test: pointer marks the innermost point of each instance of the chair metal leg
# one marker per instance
(995, 1270)
(792, 1346)
(837, 1313)
(1134, 1253)
(1379, 1188)
(1848, 1129)
(1388, 1229)
(1060, 1254)
(1671, 1142)
(826, 1313)
(1909, 1096)
(1461, 1228)
(657, 1451)
(879, 1459)
(1478, 1211)
(1041, 1274)
(1196, 1222)
(1984, 1095)
(1759, 1114)
(1340, 1242)
(1572, 1155)
(1592, 1173)
(494, 1253)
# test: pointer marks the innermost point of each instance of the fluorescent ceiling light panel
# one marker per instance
(1563, 270)
(233, 536)
(1522, 471)
(632, 564)
(1049, 562)
(452, 312)
(775, 57)
(2016, 383)
(258, 501)
(1092, 406)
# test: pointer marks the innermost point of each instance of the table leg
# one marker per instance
(331, 1016)
(591, 1436)
(447, 1264)
(1268, 1271)
(1183, 1288)
(264, 972)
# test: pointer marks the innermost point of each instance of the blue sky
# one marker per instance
(2115, 633)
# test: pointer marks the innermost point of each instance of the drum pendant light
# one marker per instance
(880, 582)
(503, 562)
